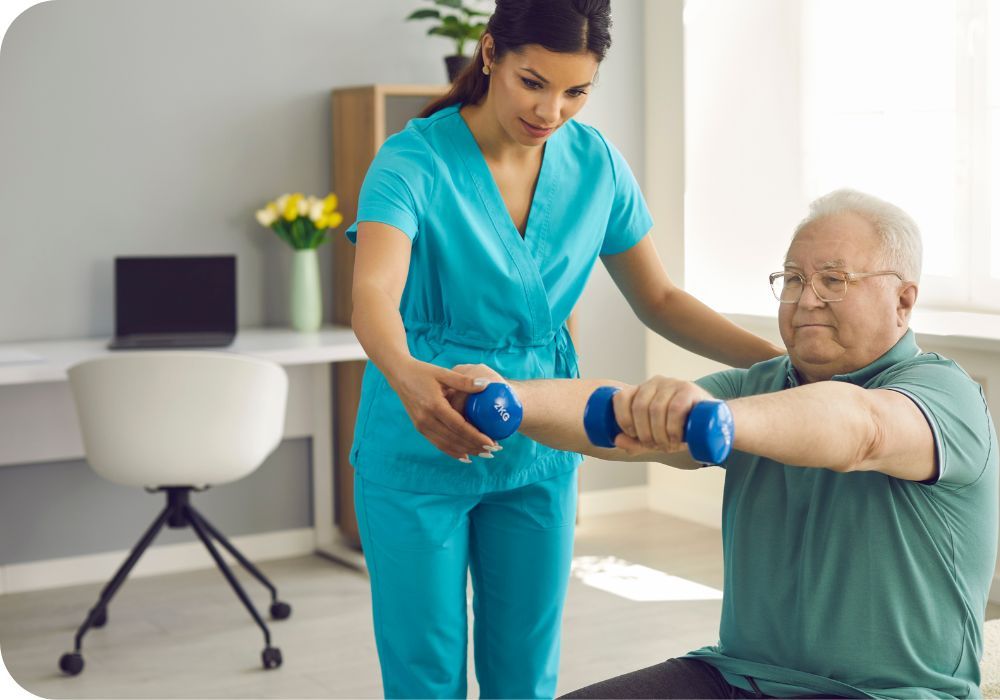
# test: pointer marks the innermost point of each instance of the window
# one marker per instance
(893, 97)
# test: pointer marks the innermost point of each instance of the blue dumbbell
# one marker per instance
(496, 410)
(708, 431)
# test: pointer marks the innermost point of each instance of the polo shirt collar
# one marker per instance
(904, 349)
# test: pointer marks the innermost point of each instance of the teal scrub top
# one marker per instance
(477, 292)
(860, 584)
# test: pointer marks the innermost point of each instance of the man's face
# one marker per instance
(828, 338)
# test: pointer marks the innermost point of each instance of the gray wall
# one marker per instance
(63, 509)
(156, 127)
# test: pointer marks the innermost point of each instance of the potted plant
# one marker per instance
(456, 21)
(303, 223)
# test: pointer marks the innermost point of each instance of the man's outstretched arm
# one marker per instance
(839, 426)
(829, 424)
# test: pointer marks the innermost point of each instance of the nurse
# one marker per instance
(478, 226)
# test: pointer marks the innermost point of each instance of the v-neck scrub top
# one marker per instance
(477, 292)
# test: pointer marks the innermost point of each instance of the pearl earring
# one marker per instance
(486, 70)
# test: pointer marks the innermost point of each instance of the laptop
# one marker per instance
(174, 302)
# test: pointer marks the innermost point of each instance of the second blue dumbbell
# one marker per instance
(495, 411)
(708, 431)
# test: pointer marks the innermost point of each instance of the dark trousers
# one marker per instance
(674, 678)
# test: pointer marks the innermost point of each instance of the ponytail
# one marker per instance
(469, 87)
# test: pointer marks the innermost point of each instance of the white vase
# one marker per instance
(306, 296)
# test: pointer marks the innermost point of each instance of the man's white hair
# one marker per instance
(902, 249)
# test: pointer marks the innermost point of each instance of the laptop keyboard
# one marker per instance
(174, 340)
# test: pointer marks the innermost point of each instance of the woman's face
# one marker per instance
(533, 91)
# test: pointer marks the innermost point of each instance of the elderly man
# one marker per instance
(859, 516)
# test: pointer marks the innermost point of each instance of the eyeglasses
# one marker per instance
(828, 285)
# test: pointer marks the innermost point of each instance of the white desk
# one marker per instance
(286, 347)
(38, 422)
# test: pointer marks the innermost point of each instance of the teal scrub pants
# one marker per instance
(517, 544)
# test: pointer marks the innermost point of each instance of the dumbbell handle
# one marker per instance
(708, 430)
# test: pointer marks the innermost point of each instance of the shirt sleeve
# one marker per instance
(956, 411)
(398, 185)
(724, 385)
(630, 219)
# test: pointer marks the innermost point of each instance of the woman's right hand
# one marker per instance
(425, 390)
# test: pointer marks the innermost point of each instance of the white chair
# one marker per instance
(176, 422)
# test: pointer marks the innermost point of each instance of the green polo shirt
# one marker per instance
(861, 584)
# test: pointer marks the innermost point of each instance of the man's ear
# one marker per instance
(905, 304)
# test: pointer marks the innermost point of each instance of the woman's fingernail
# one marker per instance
(486, 455)
(492, 448)
(465, 460)
(480, 381)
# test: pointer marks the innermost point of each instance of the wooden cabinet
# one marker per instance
(363, 117)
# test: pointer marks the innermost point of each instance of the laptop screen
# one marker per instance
(175, 294)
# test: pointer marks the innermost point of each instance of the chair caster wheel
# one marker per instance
(101, 619)
(271, 656)
(280, 611)
(71, 663)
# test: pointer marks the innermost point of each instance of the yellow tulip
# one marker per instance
(329, 203)
(335, 219)
(321, 223)
(292, 207)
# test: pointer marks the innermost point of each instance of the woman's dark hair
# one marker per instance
(564, 26)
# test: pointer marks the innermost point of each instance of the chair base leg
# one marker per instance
(279, 610)
(179, 513)
(97, 615)
(271, 656)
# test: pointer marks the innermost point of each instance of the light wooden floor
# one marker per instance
(186, 635)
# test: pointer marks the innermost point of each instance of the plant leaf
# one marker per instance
(282, 233)
(443, 31)
(425, 14)
(318, 236)
(449, 3)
